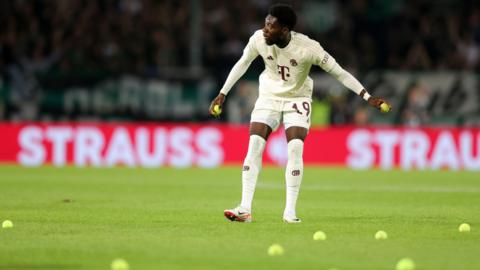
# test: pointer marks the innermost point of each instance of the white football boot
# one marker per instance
(291, 218)
(238, 214)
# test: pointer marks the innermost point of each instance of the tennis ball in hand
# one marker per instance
(216, 110)
(119, 264)
(405, 264)
(7, 224)
(275, 250)
(319, 236)
(381, 235)
(464, 227)
(384, 108)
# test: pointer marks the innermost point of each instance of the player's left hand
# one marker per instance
(377, 102)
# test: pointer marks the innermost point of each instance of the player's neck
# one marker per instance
(284, 42)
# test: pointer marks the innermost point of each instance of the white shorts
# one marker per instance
(295, 113)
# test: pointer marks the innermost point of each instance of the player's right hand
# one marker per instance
(218, 100)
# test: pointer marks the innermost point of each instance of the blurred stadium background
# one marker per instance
(165, 60)
(127, 83)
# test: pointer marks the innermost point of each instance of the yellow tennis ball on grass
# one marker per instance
(7, 224)
(405, 264)
(464, 227)
(119, 264)
(275, 250)
(381, 235)
(319, 236)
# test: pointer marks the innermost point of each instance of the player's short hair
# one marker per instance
(285, 15)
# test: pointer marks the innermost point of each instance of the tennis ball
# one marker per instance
(319, 236)
(275, 250)
(7, 224)
(119, 264)
(405, 264)
(464, 227)
(384, 108)
(217, 110)
(381, 235)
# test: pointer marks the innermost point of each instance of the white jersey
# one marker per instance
(286, 69)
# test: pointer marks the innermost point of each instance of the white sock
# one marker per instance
(251, 167)
(293, 175)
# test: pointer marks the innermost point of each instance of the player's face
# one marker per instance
(272, 31)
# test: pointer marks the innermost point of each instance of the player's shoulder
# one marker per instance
(301, 36)
(257, 40)
(257, 35)
(305, 41)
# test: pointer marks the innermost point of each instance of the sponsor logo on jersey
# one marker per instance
(284, 72)
(325, 59)
(293, 62)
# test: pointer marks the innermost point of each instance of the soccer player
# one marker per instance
(285, 92)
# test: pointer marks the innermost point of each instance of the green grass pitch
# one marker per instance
(72, 218)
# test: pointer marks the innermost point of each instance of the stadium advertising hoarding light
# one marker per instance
(185, 145)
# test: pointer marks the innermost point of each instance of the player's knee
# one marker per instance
(260, 129)
(296, 132)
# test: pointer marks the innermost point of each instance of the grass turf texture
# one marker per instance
(73, 218)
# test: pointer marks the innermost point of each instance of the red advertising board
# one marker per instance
(185, 145)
